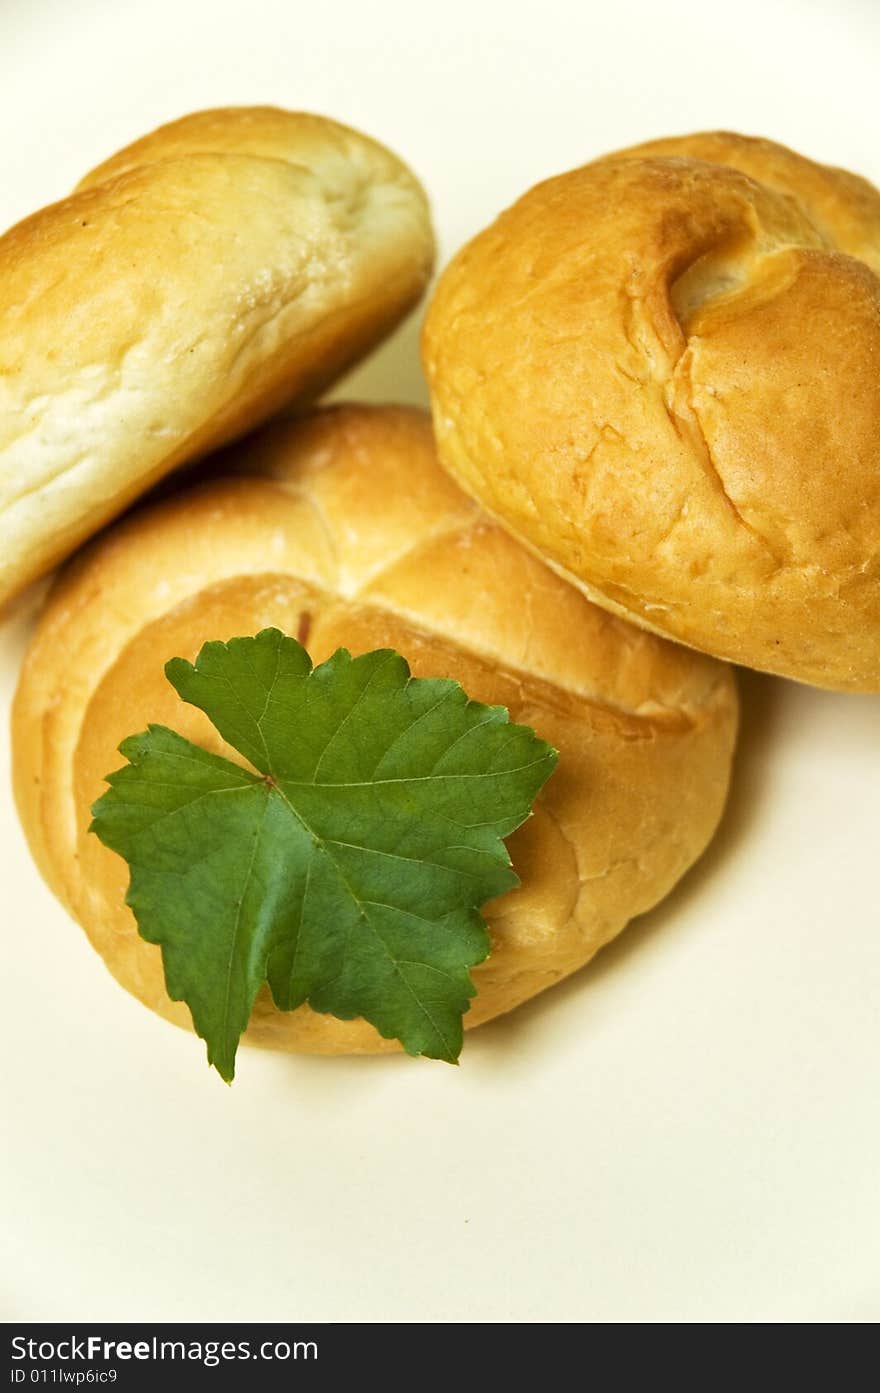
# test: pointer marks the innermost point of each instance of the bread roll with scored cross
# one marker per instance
(660, 372)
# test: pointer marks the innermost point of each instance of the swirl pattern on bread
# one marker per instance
(342, 528)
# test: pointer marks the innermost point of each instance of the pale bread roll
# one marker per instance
(195, 283)
(346, 531)
(662, 372)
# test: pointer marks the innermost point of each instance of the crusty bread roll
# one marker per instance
(345, 530)
(194, 283)
(662, 372)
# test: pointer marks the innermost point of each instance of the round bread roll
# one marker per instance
(343, 529)
(195, 283)
(661, 372)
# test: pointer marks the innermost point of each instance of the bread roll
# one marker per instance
(196, 282)
(661, 372)
(343, 528)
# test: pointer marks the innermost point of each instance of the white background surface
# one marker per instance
(688, 1131)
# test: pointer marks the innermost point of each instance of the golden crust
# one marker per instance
(345, 524)
(196, 282)
(660, 371)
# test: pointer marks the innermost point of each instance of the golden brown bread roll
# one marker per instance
(193, 284)
(345, 528)
(660, 371)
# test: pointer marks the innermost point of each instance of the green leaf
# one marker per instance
(349, 870)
